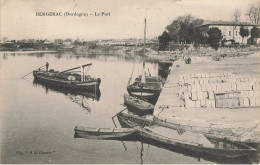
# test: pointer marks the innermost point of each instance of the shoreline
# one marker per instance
(195, 55)
(33, 51)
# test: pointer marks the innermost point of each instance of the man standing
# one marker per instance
(47, 66)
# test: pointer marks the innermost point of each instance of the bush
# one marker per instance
(215, 37)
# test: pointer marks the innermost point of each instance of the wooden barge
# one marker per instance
(68, 80)
(221, 148)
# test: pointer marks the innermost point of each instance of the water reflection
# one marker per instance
(141, 153)
(113, 69)
(197, 155)
(75, 55)
(81, 100)
(79, 97)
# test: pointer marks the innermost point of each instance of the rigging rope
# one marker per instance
(247, 132)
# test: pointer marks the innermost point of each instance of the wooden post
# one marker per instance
(82, 73)
(116, 115)
(114, 121)
(95, 86)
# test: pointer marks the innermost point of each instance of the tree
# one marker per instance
(164, 40)
(188, 32)
(196, 33)
(58, 41)
(237, 15)
(253, 13)
(244, 32)
(254, 33)
(214, 37)
(198, 36)
(183, 29)
(185, 32)
(68, 40)
(173, 30)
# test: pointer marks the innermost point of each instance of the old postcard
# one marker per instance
(129, 82)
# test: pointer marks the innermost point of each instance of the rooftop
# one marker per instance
(207, 22)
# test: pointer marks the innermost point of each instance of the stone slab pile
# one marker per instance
(219, 90)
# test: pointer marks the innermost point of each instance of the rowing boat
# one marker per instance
(136, 104)
(102, 133)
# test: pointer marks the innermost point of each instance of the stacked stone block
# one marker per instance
(219, 90)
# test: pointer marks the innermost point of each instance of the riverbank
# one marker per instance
(152, 53)
(203, 54)
(27, 52)
(196, 54)
(235, 123)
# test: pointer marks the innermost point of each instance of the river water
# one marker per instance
(37, 122)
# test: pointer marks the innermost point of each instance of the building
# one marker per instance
(123, 42)
(10, 42)
(230, 30)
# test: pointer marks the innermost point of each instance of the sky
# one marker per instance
(19, 21)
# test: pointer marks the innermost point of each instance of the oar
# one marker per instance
(32, 71)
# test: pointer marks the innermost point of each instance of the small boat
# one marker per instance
(145, 87)
(148, 91)
(215, 148)
(102, 133)
(138, 104)
(67, 79)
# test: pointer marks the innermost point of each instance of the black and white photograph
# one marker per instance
(129, 82)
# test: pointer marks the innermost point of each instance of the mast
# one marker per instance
(144, 33)
(143, 73)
